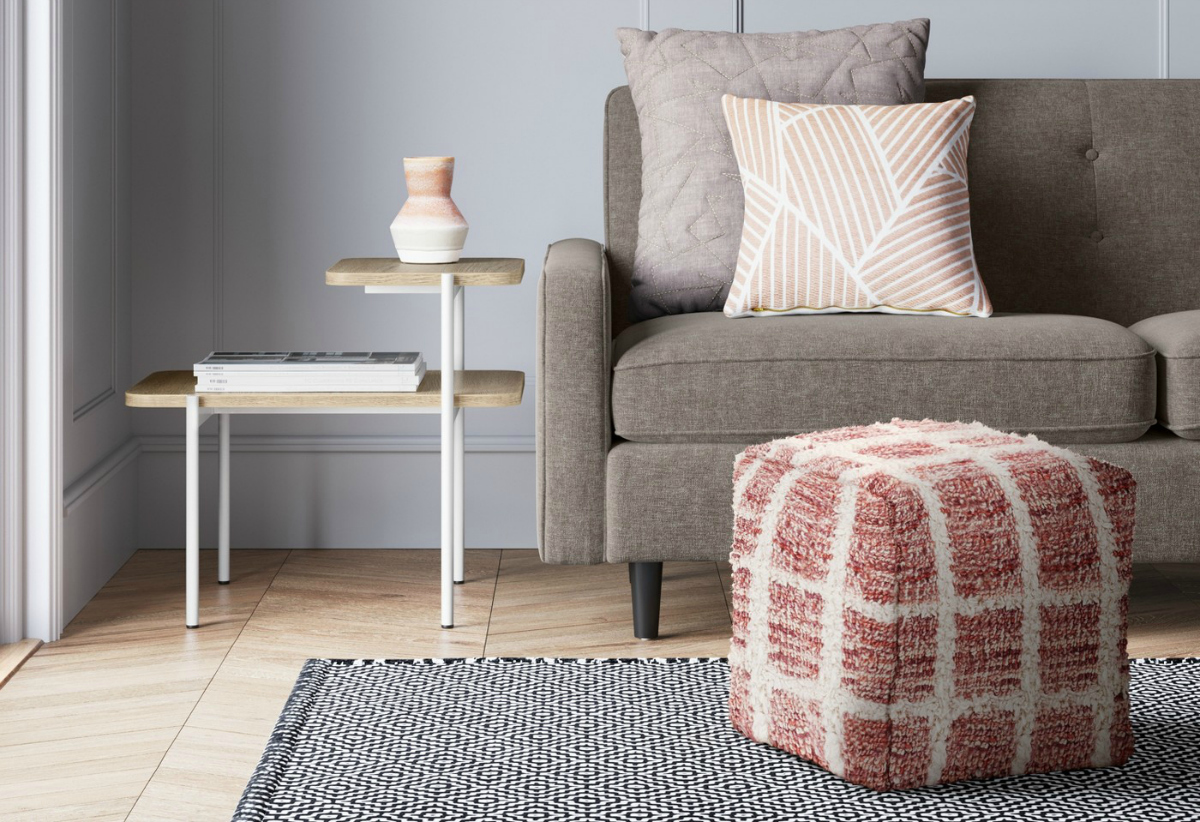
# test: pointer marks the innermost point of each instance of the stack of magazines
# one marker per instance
(309, 371)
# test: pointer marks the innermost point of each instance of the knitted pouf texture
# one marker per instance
(925, 602)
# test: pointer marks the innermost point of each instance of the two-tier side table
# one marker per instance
(446, 392)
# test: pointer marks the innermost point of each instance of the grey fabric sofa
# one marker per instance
(1085, 201)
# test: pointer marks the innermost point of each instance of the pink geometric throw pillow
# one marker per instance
(854, 208)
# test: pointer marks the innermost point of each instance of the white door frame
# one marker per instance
(31, 345)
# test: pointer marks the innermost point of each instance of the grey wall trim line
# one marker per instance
(95, 477)
(94, 403)
(644, 15)
(218, 165)
(334, 444)
(1164, 39)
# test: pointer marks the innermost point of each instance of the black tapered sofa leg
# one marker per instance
(645, 579)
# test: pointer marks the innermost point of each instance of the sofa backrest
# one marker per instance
(1085, 194)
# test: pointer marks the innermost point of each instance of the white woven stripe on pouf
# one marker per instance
(920, 602)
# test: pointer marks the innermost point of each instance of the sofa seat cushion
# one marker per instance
(707, 378)
(1176, 338)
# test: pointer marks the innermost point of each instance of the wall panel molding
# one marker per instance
(81, 409)
(1164, 39)
(341, 443)
(1181, 26)
(218, 171)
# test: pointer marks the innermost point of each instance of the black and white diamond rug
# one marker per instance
(543, 739)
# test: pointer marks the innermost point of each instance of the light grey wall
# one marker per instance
(267, 143)
(99, 474)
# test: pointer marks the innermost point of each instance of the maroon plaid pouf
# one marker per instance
(925, 602)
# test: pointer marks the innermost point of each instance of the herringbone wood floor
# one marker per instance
(130, 716)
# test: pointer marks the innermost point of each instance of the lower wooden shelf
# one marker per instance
(473, 389)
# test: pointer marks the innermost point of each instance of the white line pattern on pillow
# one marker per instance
(854, 208)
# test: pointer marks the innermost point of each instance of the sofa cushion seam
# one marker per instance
(1095, 176)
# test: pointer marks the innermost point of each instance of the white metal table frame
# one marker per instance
(452, 304)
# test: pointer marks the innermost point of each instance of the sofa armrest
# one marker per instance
(574, 423)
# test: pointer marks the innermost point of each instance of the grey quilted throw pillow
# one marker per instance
(690, 223)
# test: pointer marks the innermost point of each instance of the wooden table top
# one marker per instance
(362, 271)
(472, 389)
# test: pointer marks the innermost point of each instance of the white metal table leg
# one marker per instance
(192, 552)
(447, 448)
(223, 499)
(459, 422)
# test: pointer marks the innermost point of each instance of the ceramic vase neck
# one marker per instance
(428, 176)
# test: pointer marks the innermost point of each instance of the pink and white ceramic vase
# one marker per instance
(429, 227)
